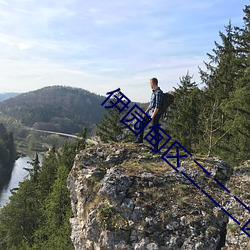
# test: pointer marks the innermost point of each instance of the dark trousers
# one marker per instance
(154, 123)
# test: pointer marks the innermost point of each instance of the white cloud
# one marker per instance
(36, 74)
(23, 46)
(99, 45)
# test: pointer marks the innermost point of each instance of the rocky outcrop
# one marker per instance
(125, 197)
(239, 186)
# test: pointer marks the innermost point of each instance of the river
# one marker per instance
(17, 175)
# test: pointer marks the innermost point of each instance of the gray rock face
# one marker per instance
(239, 186)
(125, 197)
(114, 185)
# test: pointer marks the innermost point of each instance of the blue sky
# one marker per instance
(100, 45)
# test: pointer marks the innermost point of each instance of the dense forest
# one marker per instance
(7, 154)
(37, 216)
(215, 119)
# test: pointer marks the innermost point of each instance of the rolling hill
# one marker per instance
(55, 108)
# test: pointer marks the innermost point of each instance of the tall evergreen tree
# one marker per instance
(48, 173)
(37, 216)
(237, 106)
(225, 112)
(55, 230)
(221, 70)
(81, 142)
(35, 170)
(111, 129)
(185, 111)
(19, 218)
(219, 79)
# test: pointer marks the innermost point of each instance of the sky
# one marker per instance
(100, 45)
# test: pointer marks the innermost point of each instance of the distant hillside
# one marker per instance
(5, 96)
(55, 108)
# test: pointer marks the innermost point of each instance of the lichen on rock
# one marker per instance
(125, 197)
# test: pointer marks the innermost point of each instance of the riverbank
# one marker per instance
(18, 174)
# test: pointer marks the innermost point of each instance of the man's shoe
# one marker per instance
(138, 141)
(155, 150)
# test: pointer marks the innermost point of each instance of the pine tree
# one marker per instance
(242, 38)
(225, 109)
(20, 217)
(111, 129)
(33, 172)
(239, 141)
(220, 80)
(55, 231)
(68, 151)
(38, 214)
(185, 111)
(237, 106)
(47, 174)
(221, 71)
(81, 142)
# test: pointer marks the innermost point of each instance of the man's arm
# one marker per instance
(156, 110)
(147, 110)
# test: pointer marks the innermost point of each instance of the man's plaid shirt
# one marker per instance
(156, 100)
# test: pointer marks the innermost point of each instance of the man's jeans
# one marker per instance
(154, 123)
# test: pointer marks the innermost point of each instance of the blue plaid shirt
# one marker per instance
(156, 100)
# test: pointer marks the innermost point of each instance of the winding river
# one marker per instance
(18, 174)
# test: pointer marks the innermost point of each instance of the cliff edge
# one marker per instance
(125, 197)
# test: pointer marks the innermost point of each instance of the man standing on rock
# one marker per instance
(153, 110)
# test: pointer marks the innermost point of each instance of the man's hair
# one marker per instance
(155, 81)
